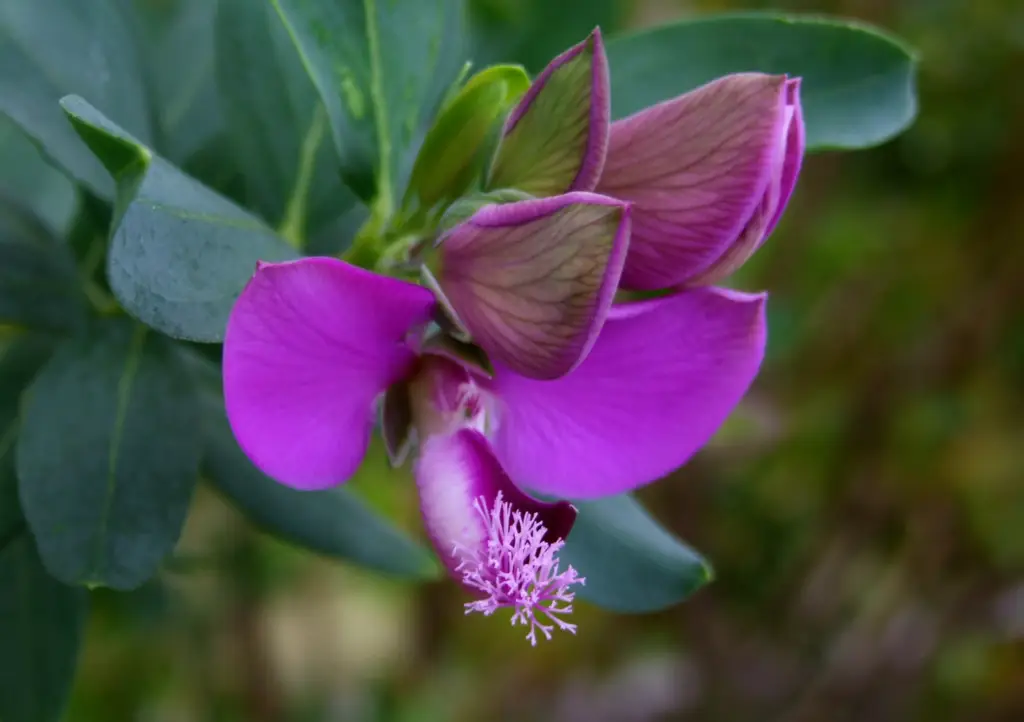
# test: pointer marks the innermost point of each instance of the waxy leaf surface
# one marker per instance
(381, 68)
(278, 130)
(50, 48)
(631, 563)
(39, 284)
(41, 620)
(179, 252)
(108, 455)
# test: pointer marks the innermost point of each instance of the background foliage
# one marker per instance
(863, 509)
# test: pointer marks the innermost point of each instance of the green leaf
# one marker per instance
(631, 563)
(50, 48)
(277, 126)
(29, 180)
(333, 522)
(858, 86)
(41, 620)
(177, 41)
(20, 360)
(532, 32)
(39, 284)
(180, 253)
(42, 624)
(381, 67)
(108, 455)
(551, 143)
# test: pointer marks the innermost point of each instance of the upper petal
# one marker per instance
(661, 379)
(695, 168)
(532, 281)
(453, 472)
(556, 138)
(796, 142)
(786, 162)
(309, 346)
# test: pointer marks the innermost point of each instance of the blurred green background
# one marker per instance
(864, 508)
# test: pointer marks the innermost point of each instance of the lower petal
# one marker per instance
(456, 471)
(309, 346)
(662, 377)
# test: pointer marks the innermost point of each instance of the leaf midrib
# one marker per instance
(384, 201)
(124, 391)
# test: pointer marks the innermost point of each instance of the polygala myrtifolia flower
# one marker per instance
(316, 348)
(515, 368)
(705, 175)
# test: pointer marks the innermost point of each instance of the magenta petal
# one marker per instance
(796, 141)
(309, 346)
(456, 470)
(661, 379)
(696, 169)
(785, 167)
(532, 281)
(555, 140)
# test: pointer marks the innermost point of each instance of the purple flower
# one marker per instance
(532, 282)
(574, 396)
(500, 543)
(701, 181)
(313, 346)
(708, 173)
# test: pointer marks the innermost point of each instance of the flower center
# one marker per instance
(519, 570)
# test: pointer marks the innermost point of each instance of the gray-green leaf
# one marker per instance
(41, 620)
(858, 86)
(42, 623)
(180, 253)
(50, 48)
(381, 68)
(278, 129)
(29, 180)
(39, 283)
(631, 563)
(20, 360)
(108, 455)
(177, 41)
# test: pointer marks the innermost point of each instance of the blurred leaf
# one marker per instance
(39, 284)
(49, 48)
(20, 360)
(108, 455)
(180, 254)
(28, 179)
(631, 563)
(334, 522)
(381, 67)
(177, 40)
(41, 623)
(858, 85)
(532, 32)
(277, 126)
(337, 235)
(41, 619)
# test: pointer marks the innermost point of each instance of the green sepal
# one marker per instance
(456, 148)
(556, 138)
